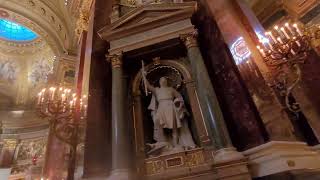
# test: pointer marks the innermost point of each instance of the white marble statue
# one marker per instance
(168, 112)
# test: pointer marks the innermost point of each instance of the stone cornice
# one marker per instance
(138, 20)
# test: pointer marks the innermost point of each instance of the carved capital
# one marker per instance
(190, 39)
(115, 60)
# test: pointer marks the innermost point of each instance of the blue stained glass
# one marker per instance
(15, 32)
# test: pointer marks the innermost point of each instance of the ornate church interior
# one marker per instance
(159, 89)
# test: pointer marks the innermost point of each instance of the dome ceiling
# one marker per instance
(12, 31)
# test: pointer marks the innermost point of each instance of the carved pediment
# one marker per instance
(147, 17)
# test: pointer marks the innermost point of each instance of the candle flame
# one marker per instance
(276, 27)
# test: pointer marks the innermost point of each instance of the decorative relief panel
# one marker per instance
(8, 70)
(29, 149)
(41, 67)
(185, 159)
(29, 152)
(40, 71)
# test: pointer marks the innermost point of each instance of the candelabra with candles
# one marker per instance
(66, 112)
(284, 49)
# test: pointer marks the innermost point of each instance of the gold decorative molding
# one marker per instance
(165, 163)
(9, 144)
(83, 21)
(190, 39)
(115, 59)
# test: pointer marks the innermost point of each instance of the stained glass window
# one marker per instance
(15, 32)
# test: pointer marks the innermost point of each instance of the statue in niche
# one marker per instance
(169, 114)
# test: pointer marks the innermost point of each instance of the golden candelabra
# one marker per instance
(284, 48)
(66, 113)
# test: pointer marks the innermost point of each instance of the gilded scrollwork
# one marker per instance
(84, 15)
(162, 164)
(9, 144)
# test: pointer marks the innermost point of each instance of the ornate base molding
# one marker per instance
(227, 155)
(281, 156)
(198, 164)
(120, 174)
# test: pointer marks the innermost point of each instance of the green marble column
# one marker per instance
(208, 101)
(120, 137)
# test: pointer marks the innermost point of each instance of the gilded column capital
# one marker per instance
(190, 39)
(115, 60)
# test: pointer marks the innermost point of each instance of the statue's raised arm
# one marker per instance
(146, 83)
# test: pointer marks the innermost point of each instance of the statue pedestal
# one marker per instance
(227, 155)
(316, 148)
(195, 164)
(281, 156)
(120, 174)
(5, 173)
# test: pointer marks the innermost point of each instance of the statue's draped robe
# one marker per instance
(166, 114)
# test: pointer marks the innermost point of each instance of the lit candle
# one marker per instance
(280, 40)
(81, 105)
(85, 110)
(63, 97)
(270, 45)
(52, 89)
(296, 41)
(262, 52)
(272, 37)
(298, 30)
(71, 104)
(288, 27)
(292, 52)
(285, 33)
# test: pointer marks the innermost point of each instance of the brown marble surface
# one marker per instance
(244, 124)
(98, 135)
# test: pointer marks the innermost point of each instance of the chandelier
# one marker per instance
(284, 48)
(66, 112)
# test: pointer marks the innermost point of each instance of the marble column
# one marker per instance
(208, 101)
(120, 137)
(97, 75)
(235, 20)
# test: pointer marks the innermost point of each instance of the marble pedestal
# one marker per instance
(196, 164)
(316, 148)
(281, 156)
(5, 173)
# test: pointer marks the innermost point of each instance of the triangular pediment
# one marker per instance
(147, 17)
